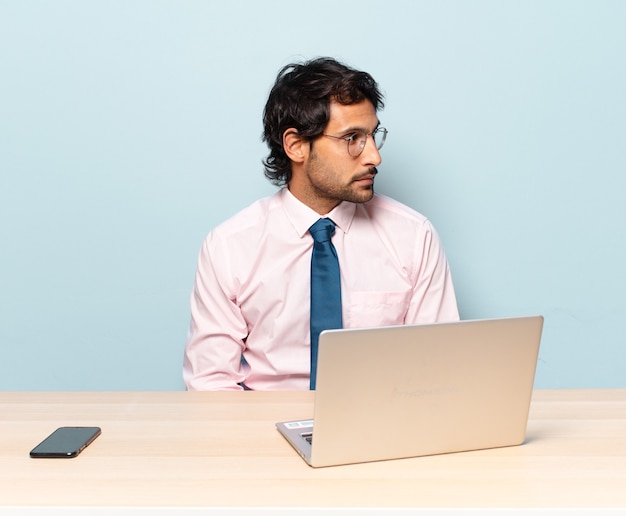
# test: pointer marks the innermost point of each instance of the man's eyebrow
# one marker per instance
(355, 128)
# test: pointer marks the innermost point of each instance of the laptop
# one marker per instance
(408, 391)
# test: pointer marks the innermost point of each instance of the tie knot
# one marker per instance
(322, 230)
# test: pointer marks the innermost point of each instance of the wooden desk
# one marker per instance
(189, 449)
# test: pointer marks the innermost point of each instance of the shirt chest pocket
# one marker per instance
(367, 309)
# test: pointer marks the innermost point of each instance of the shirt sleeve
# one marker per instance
(433, 298)
(217, 330)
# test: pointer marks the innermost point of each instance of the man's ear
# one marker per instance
(296, 147)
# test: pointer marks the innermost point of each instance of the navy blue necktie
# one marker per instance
(325, 287)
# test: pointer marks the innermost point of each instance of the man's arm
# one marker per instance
(433, 298)
(217, 330)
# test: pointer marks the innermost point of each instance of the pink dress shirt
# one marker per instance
(250, 302)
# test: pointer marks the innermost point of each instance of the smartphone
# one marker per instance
(66, 442)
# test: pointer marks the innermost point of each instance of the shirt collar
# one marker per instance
(302, 217)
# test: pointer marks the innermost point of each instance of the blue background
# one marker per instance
(128, 129)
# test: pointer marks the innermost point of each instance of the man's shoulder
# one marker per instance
(383, 208)
(254, 216)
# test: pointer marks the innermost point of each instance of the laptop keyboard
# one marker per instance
(308, 437)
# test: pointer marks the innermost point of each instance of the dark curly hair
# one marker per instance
(301, 98)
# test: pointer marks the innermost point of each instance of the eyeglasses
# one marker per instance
(357, 140)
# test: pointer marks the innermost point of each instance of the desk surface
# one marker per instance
(216, 449)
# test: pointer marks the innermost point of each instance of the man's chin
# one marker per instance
(363, 195)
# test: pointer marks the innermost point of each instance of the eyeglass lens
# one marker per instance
(357, 144)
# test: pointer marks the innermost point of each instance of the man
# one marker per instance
(250, 306)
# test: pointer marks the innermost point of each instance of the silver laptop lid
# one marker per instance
(406, 391)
